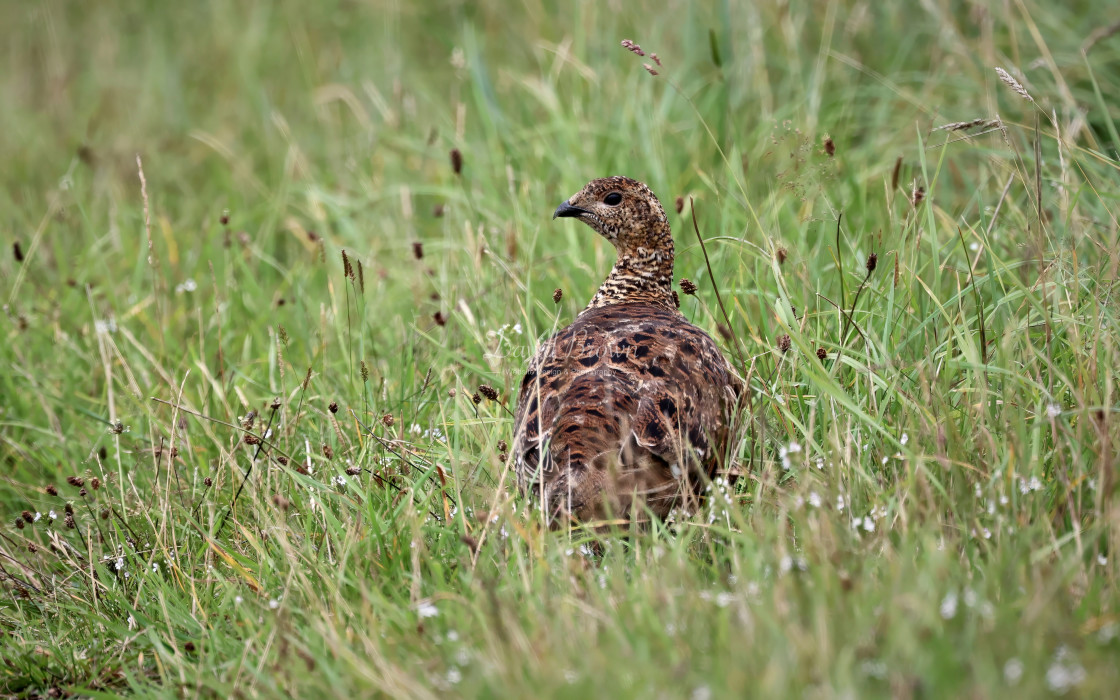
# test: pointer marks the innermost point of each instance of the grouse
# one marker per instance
(625, 413)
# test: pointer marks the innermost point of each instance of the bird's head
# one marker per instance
(623, 211)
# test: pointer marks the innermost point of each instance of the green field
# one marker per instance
(930, 506)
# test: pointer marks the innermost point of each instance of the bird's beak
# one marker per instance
(566, 209)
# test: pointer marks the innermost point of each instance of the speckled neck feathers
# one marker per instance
(643, 273)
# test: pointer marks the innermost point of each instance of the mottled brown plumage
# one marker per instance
(629, 407)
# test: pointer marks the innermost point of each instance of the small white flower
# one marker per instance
(273, 604)
(1102, 559)
(188, 285)
(794, 447)
(452, 636)
(949, 606)
(1053, 410)
(814, 499)
(237, 600)
(427, 609)
(155, 567)
(1061, 677)
(454, 675)
(840, 503)
(37, 516)
(869, 524)
(339, 481)
(1013, 671)
(52, 515)
(517, 328)
(905, 438)
(119, 564)
(785, 564)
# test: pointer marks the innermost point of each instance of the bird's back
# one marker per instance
(629, 400)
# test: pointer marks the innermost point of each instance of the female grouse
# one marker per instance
(625, 412)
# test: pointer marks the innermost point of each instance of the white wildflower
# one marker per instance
(814, 499)
(454, 675)
(273, 604)
(1013, 671)
(426, 609)
(1053, 410)
(949, 606)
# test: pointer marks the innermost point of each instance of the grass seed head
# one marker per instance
(829, 146)
(489, 392)
(679, 204)
(387, 420)
(457, 161)
(557, 295)
(688, 286)
(872, 261)
(50, 489)
(822, 354)
(781, 254)
(327, 451)
(418, 250)
(784, 343)
(75, 480)
(17, 252)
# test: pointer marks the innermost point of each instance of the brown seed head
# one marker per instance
(917, 194)
(679, 204)
(252, 440)
(872, 261)
(632, 47)
(353, 471)
(502, 447)
(17, 252)
(70, 524)
(75, 480)
(476, 398)
(650, 69)
(457, 161)
(489, 392)
(104, 513)
(437, 211)
(688, 286)
(822, 354)
(69, 508)
(189, 647)
(83, 493)
(280, 502)
(20, 524)
(28, 516)
(781, 255)
(557, 295)
(333, 407)
(829, 146)
(502, 457)
(327, 451)
(418, 250)
(50, 488)
(208, 482)
(95, 483)
(784, 342)
(451, 393)
(387, 420)
(439, 318)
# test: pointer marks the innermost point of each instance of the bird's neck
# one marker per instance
(641, 274)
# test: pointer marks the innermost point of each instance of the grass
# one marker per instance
(930, 509)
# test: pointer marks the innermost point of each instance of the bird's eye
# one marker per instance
(613, 199)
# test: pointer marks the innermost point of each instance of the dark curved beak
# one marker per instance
(566, 209)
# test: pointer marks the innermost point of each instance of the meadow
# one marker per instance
(261, 259)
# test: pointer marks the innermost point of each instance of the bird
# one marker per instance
(626, 413)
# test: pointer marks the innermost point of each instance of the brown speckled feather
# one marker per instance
(631, 401)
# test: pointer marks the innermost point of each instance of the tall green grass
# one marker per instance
(929, 502)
